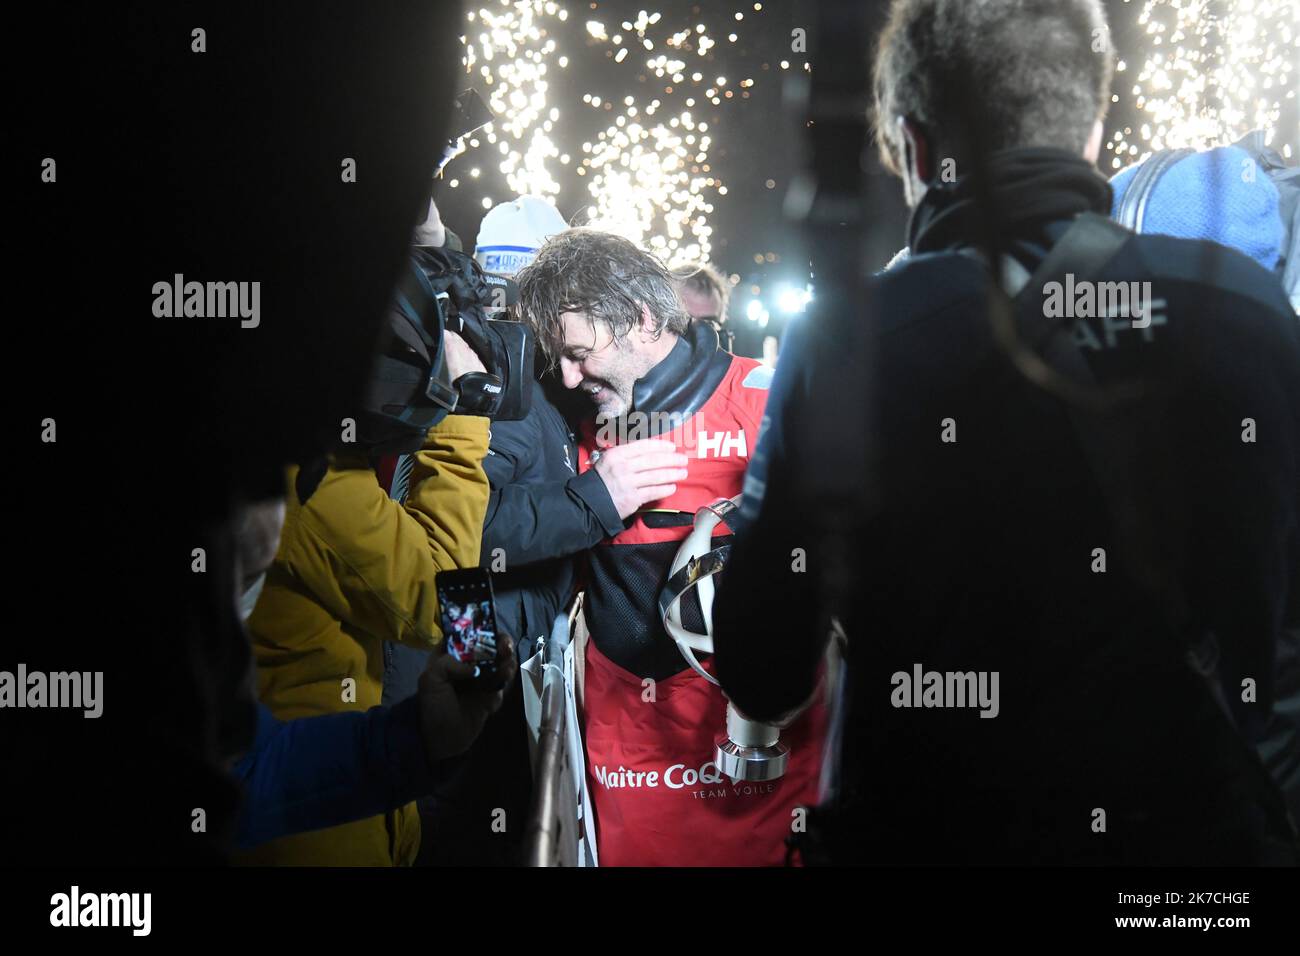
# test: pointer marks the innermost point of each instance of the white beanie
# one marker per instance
(512, 232)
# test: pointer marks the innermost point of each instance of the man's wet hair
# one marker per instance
(602, 275)
(992, 74)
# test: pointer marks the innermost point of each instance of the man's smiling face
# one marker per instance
(604, 369)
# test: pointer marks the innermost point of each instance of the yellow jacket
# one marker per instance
(355, 568)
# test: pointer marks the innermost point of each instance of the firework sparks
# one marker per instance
(510, 49)
(647, 174)
(1212, 72)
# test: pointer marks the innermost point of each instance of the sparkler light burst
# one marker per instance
(509, 50)
(647, 173)
(1213, 71)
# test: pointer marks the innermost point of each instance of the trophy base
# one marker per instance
(752, 764)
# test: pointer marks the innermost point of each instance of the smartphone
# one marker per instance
(469, 617)
(470, 112)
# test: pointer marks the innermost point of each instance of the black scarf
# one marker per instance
(1029, 188)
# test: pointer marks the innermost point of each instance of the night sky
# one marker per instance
(757, 141)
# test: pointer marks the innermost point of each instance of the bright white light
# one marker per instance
(792, 300)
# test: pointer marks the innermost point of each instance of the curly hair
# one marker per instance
(1001, 73)
(603, 276)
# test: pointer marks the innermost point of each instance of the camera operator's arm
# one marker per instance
(766, 648)
(370, 561)
(323, 771)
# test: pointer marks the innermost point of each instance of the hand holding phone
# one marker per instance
(469, 619)
(454, 706)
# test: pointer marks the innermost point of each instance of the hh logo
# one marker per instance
(723, 444)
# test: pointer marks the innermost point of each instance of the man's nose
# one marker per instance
(570, 374)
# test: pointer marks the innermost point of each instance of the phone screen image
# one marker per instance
(469, 620)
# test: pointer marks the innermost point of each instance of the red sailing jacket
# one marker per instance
(650, 722)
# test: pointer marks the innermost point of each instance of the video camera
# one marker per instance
(468, 298)
(410, 389)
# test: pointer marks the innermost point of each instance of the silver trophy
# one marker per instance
(749, 750)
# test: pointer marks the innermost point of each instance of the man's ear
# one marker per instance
(1092, 151)
(647, 321)
(916, 149)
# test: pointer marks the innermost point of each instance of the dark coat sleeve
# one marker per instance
(767, 648)
(532, 520)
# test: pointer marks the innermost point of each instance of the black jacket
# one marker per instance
(978, 555)
(540, 513)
